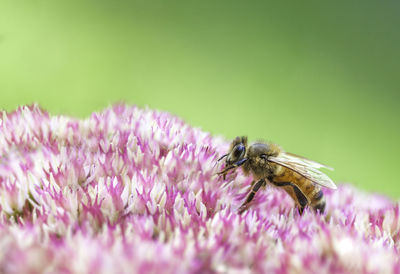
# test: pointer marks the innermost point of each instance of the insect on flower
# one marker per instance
(267, 162)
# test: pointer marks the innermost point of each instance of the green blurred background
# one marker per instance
(321, 79)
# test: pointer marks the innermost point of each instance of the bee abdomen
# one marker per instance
(320, 206)
(318, 196)
(318, 201)
(314, 195)
(303, 192)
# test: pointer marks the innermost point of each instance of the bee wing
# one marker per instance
(304, 167)
(305, 160)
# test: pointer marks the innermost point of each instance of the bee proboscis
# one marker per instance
(268, 163)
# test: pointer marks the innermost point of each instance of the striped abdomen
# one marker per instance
(303, 191)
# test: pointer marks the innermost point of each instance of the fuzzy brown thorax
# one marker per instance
(257, 163)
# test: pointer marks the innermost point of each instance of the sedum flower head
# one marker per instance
(131, 190)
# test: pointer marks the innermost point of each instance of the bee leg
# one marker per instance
(251, 195)
(301, 198)
(296, 194)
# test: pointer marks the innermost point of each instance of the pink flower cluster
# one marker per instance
(133, 190)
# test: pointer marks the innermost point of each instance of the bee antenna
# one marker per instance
(222, 157)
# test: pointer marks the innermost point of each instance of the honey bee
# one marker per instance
(268, 163)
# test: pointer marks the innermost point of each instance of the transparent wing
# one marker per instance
(291, 156)
(306, 168)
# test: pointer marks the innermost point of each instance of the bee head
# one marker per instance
(238, 150)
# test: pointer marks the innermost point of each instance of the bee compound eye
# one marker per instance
(239, 150)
